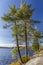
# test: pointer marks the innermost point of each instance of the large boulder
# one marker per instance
(35, 61)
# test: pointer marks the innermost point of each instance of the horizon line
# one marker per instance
(9, 45)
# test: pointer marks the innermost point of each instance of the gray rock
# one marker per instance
(36, 61)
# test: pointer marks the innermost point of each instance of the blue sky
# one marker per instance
(5, 34)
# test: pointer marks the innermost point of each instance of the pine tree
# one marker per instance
(19, 20)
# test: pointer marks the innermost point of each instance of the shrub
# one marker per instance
(41, 47)
(36, 53)
(24, 58)
(15, 63)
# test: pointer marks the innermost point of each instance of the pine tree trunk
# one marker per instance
(18, 46)
(18, 49)
(26, 41)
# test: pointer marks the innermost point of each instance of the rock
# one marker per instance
(36, 61)
(33, 61)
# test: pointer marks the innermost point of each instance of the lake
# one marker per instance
(6, 55)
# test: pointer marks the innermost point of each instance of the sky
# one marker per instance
(5, 34)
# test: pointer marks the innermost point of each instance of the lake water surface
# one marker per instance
(6, 56)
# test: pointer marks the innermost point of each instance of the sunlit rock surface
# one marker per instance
(36, 61)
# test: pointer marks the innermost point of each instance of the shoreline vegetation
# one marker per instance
(24, 58)
(35, 55)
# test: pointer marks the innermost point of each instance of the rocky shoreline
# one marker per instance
(37, 60)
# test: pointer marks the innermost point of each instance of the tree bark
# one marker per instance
(18, 46)
(26, 41)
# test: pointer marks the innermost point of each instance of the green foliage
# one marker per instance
(15, 49)
(41, 47)
(35, 45)
(14, 13)
(15, 63)
(12, 10)
(24, 58)
(19, 62)
(37, 34)
(24, 12)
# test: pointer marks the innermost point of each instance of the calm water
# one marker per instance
(6, 56)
